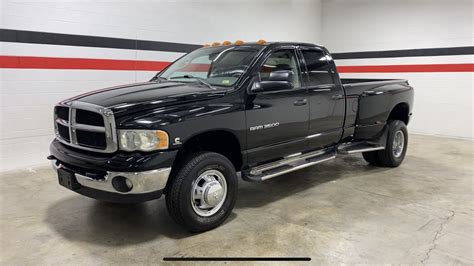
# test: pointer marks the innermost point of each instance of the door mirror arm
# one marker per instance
(277, 80)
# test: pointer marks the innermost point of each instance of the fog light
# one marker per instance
(122, 184)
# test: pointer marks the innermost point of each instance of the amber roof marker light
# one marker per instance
(239, 42)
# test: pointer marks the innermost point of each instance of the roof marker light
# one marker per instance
(239, 42)
(226, 43)
(216, 44)
(261, 42)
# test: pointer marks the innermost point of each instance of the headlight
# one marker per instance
(142, 140)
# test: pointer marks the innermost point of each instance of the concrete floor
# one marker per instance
(342, 211)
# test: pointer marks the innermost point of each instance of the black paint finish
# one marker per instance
(304, 118)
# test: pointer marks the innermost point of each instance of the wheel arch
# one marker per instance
(219, 141)
(401, 111)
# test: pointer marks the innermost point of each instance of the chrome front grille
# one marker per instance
(85, 126)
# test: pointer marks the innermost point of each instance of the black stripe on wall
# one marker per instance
(468, 50)
(22, 36)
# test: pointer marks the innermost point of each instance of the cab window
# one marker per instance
(318, 68)
(220, 66)
(281, 60)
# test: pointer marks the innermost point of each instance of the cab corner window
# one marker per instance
(318, 68)
(281, 60)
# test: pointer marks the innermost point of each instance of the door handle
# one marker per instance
(368, 93)
(300, 102)
(321, 90)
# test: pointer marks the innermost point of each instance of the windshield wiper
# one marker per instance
(196, 78)
(158, 78)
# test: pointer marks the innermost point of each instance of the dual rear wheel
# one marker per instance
(395, 148)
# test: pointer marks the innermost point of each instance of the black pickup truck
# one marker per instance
(254, 110)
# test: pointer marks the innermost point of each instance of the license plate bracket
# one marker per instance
(67, 179)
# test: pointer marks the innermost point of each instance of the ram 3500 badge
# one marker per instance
(261, 109)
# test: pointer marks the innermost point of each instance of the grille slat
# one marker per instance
(89, 118)
(85, 126)
(63, 132)
(91, 139)
(62, 112)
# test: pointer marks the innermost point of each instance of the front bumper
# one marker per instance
(145, 185)
(103, 178)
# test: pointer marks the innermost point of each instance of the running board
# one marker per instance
(302, 160)
(289, 164)
(356, 147)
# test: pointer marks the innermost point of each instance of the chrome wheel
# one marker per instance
(398, 144)
(208, 193)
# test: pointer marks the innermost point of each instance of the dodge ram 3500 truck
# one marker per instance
(255, 110)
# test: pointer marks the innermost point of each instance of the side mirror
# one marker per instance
(278, 80)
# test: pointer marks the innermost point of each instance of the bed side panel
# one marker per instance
(374, 106)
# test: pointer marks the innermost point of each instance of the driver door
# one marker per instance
(277, 121)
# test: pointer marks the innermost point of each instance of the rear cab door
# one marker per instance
(277, 121)
(326, 97)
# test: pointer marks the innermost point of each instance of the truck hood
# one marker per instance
(148, 95)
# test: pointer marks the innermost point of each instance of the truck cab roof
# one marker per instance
(272, 44)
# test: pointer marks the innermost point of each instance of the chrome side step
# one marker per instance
(290, 164)
(356, 147)
(302, 160)
(289, 160)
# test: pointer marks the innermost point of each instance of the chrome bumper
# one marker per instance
(142, 182)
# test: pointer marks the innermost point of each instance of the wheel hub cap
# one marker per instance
(213, 193)
(208, 192)
(398, 144)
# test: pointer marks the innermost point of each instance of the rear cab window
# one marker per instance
(318, 71)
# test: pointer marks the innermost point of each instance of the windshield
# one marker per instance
(220, 66)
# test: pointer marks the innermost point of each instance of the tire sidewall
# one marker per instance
(213, 161)
(395, 126)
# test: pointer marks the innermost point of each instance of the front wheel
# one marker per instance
(203, 192)
(395, 148)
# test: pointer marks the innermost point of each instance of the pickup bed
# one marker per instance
(254, 110)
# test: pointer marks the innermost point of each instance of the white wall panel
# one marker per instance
(28, 95)
(443, 100)
(404, 24)
(38, 24)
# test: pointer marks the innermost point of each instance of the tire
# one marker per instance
(371, 157)
(200, 172)
(393, 154)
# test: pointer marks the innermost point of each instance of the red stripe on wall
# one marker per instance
(79, 63)
(33, 62)
(407, 68)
